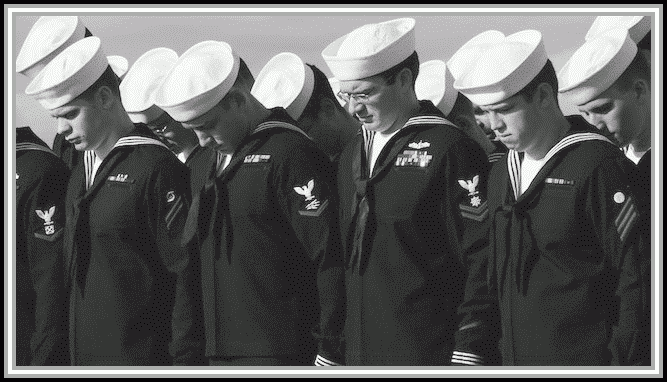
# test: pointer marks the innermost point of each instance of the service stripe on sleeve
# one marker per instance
(321, 361)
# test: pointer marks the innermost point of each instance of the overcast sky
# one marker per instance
(257, 38)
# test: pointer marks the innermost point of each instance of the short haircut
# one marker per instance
(546, 75)
(321, 89)
(638, 68)
(412, 63)
(645, 43)
(108, 79)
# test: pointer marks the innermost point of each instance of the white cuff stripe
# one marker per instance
(467, 359)
(321, 361)
(468, 355)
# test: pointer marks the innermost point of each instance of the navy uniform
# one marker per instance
(610, 57)
(566, 288)
(559, 283)
(405, 269)
(41, 317)
(270, 274)
(129, 276)
(133, 290)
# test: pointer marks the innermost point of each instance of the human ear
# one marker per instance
(104, 97)
(641, 89)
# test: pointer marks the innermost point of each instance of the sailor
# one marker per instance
(41, 321)
(305, 93)
(406, 184)
(133, 289)
(610, 82)
(271, 280)
(461, 61)
(436, 84)
(138, 96)
(639, 28)
(559, 284)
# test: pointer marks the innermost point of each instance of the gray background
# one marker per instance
(258, 38)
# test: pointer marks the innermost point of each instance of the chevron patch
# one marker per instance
(467, 359)
(627, 217)
(478, 213)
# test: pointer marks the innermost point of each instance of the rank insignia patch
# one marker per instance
(473, 206)
(419, 145)
(559, 181)
(176, 207)
(257, 158)
(413, 158)
(626, 218)
(120, 178)
(311, 206)
(50, 233)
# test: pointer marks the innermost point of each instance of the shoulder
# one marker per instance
(287, 145)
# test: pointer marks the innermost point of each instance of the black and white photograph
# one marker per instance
(333, 190)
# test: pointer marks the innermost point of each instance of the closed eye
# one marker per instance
(602, 109)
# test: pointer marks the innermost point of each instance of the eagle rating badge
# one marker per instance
(473, 206)
(311, 206)
(50, 233)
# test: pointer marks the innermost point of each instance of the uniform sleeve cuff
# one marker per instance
(468, 359)
(321, 361)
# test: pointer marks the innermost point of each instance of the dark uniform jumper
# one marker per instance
(41, 308)
(134, 290)
(402, 228)
(270, 270)
(560, 281)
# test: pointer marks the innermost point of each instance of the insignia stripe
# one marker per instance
(455, 360)
(176, 202)
(628, 227)
(25, 146)
(628, 204)
(169, 219)
(476, 217)
(427, 120)
(272, 124)
(479, 209)
(460, 358)
(513, 164)
(316, 212)
(626, 217)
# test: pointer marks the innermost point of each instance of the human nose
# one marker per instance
(495, 122)
(63, 126)
(204, 139)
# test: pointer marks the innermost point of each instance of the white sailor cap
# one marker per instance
(200, 79)
(596, 65)
(49, 36)
(142, 81)
(371, 49)
(436, 84)
(335, 88)
(504, 69)
(119, 65)
(69, 74)
(285, 81)
(466, 56)
(637, 26)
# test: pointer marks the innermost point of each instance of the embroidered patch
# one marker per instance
(311, 206)
(559, 181)
(49, 224)
(473, 206)
(419, 145)
(413, 158)
(257, 158)
(626, 218)
(171, 196)
(120, 178)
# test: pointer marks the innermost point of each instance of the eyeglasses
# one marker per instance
(359, 97)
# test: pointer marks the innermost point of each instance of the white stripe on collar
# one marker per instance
(273, 124)
(514, 162)
(25, 146)
(134, 140)
(88, 164)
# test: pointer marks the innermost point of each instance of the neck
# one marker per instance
(549, 135)
(411, 108)
(642, 141)
(118, 127)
